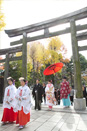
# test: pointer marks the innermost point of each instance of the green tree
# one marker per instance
(83, 62)
(68, 70)
(15, 71)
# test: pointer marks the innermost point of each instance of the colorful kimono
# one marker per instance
(65, 93)
(23, 106)
(8, 114)
(49, 96)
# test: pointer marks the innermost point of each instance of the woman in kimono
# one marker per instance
(65, 92)
(9, 97)
(23, 104)
(49, 90)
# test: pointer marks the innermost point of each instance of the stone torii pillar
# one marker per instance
(79, 101)
(6, 70)
(24, 56)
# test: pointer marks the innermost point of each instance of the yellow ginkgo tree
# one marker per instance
(36, 54)
(2, 23)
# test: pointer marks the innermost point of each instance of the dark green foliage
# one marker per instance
(15, 71)
(83, 62)
(69, 71)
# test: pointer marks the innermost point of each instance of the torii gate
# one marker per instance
(7, 52)
(75, 37)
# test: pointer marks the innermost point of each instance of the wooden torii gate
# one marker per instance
(46, 25)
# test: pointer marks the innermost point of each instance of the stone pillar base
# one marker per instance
(79, 103)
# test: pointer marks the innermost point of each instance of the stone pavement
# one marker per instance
(59, 119)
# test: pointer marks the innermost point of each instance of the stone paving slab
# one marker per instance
(54, 120)
(59, 108)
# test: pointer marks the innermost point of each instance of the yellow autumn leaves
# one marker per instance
(55, 44)
(2, 23)
(41, 56)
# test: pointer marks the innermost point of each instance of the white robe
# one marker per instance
(11, 98)
(49, 96)
(26, 104)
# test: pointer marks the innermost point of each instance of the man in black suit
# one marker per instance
(37, 94)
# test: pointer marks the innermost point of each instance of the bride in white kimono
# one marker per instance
(49, 90)
(23, 104)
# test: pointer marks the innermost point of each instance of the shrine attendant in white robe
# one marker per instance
(49, 90)
(23, 103)
(9, 97)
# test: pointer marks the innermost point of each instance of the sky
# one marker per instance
(19, 13)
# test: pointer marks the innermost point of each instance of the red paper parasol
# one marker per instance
(53, 69)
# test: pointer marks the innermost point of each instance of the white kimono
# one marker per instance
(9, 96)
(24, 94)
(49, 96)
